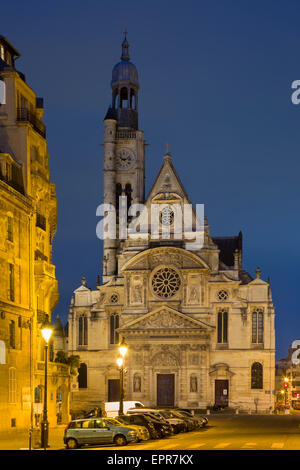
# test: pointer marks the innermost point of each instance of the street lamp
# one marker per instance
(46, 331)
(123, 348)
(286, 384)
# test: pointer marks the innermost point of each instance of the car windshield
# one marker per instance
(112, 422)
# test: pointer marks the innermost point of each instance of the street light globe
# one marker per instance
(286, 379)
(120, 361)
(47, 331)
(123, 348)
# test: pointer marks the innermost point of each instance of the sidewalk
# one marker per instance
(19, 440)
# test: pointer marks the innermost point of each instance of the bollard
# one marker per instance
(237, 411)
(208, 411)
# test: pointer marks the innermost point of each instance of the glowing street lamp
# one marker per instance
(46, 331)
(123, 348)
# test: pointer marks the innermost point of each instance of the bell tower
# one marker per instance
(124, 149)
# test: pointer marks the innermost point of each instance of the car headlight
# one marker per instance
(132, 433)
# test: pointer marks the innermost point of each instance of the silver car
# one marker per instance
(94, 431)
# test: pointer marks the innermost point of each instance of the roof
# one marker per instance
(10, 46)
(227, 247)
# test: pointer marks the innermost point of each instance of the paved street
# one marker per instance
(233, 432)
(224, 432)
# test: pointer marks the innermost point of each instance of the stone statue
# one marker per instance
(194, 295)
(193, 384)
(136, 383)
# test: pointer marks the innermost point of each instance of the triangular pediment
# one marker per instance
(167, 185)
(165, 318)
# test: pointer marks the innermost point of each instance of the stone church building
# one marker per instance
(199, 327)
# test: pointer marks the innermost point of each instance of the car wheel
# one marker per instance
(72, 443)
(120, 440)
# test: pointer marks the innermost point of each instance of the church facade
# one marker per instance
(199, 327)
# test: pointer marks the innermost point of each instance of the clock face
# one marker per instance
(125, 158)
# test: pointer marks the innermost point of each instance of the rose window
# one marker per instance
(222, 295)
(166, 282)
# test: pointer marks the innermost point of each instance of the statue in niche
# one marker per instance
(193, 384)
(194, 295)
(137, 383)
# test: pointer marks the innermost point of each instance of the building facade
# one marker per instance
(28, 286)
(287, 379)
(200, 329)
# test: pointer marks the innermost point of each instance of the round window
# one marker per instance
(114, 298)
(166, 282)
(222, 295)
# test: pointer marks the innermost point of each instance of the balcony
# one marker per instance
(24, 115)
(43, 268)
(40, 221)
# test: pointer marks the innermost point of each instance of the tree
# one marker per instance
(73, 361)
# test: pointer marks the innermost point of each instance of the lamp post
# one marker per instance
(123, 348)
(286, 384)
(46, 331)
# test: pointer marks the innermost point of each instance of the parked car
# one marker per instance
(93, 431)
(198, 420)
(140, 419)
(192, 422)
(164, 428)
(177, 424)
(111, 408)
(142, 431)
(183, 424)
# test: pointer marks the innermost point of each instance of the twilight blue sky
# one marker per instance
(215, 82)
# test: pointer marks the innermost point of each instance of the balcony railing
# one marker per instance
(125, 135)
(24, 115)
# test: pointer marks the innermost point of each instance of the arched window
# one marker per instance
(258, 326)
(257, 375)
(128, 192)
(118, 194)
(12, 334)
(124, 98)
(2, 352)
(82, 330)
(114, 324)
(222, 326)
(82, 377)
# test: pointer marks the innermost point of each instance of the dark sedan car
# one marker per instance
(166, 429)
(172, 414)
(202, 420)
(155, 429)
(178, 424)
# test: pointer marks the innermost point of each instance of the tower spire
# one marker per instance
(125, 47)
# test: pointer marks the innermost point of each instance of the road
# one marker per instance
(230, 432)
(224, 432)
